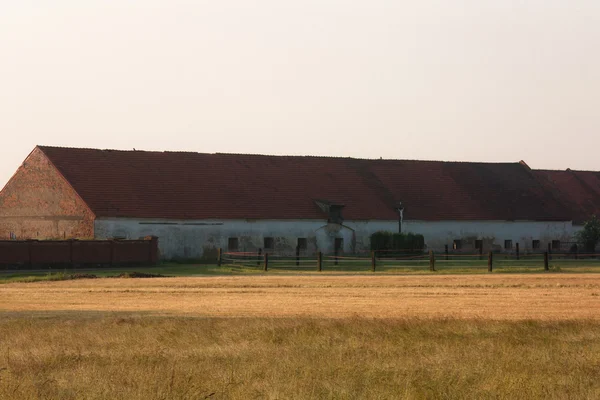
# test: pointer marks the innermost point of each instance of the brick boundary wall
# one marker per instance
(39, 253)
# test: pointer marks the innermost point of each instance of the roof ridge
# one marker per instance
(282, 155)
(566, 170)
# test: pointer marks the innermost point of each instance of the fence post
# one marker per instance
(297, 255)
(259, 256)
(335, 253)
(517, 249)
(219, 256)
(112, 251)
(446, 251)
(373, 261)
(490, 261)
(266, 262)
(431, 261)
(319, 261)
(546, 257)
(481, 251)
(576, 252)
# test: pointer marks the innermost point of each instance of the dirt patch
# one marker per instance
(139, 275)
(81, 276)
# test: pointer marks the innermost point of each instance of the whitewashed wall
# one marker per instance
(195, 239)
(437, 234)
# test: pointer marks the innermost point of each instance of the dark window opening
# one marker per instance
(339, 244)
(335, 214)
(233, 244)
(302, 243)
(536, 244)
(479, 244)
(556, 245)
(269, 243)
(508, 244)
(457, 244)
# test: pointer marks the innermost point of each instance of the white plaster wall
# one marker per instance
(439, 233)
(195, 239)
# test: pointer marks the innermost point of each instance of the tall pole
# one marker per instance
(400, 218)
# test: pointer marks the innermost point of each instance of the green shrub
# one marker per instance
(397, 241)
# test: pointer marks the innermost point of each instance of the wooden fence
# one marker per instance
(40, 253)
(395, 260)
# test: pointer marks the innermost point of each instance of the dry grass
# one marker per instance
(279, 337)
(509, 297)
(111, 357)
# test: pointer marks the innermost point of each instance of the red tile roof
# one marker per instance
(180, 185)
(580, 190)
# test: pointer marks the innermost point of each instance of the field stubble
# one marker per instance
(343, 337)
(541, 297)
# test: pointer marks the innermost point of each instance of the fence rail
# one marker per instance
(34, 253)
(398, 261)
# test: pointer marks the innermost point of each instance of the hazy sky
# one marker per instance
(481, 80)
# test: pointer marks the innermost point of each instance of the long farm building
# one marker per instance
(195, 203)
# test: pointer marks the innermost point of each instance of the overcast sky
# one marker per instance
(480, 80)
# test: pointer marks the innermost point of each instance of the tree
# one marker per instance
(589, 236)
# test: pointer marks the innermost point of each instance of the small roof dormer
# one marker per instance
(333, 210)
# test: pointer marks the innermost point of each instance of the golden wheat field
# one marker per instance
(303, 337)
(508, 297)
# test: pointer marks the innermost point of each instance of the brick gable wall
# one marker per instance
(37, 203)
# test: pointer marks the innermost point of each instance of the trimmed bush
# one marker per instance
(403, 242)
